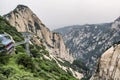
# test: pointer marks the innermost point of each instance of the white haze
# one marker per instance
(60, 13)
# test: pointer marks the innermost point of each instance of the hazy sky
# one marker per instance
(60, 13)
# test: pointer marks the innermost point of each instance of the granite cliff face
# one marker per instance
(109, 65)
(89, 41)
(26, 21)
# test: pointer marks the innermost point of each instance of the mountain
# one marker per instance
(109, 64)
(24, 20)
(88, 42)
(47, 48)
(20, 66)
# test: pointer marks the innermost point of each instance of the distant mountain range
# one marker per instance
(88, 42)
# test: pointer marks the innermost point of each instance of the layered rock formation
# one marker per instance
(109, 65)
(26, 21)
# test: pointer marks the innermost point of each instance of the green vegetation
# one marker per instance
(20, 66)
(23, 67)
(6, 27)
(77, 65)
(81, 67)
(80, 64)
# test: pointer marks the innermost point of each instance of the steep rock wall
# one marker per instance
(109, 65)
(26, 21)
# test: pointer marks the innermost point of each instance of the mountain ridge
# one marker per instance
(88, 42)
(26, 21)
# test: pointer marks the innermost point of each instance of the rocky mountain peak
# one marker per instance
(24, 20)
(118, 19)
(22, 9)
(20, 6)
(116, 24)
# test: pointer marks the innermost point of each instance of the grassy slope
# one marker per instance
(22, 67)
(43, 70)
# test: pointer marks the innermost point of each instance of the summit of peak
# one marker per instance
(21, 6)
(118, 19)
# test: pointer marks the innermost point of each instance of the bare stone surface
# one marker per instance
(109, 65)
(24, 20)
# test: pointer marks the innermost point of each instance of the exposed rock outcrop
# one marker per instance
(88, 42)
(26, 21)
(109, 65)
